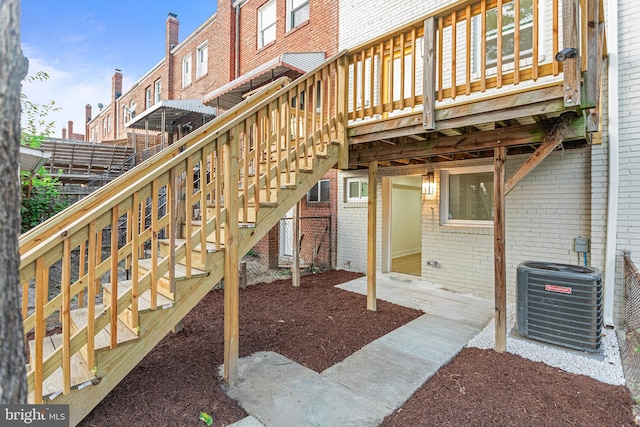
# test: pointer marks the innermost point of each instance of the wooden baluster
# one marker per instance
(287, 136)
(245, 171)
(278, 146)
(392, 67)
(381, 80)
(100, 235)
(25, 299)
(440, 56)
(188, 223)
(535, 40)
(154, 238)
(483, 46)
(172, 211)
(414, 61)
(92, 255)
(218, 169)
(257, 148)
(40, 327)
(203, 204)
(354, 89)
(82, 271)
(402, 71)
(499, 47)
(467, 67)
(135, 248)
(516, 41)
(454, 53)
(66, 315)
(361, 82)
(113, 327)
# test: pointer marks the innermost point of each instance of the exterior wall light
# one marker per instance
(428, 185)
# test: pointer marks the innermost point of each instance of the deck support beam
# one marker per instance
(429, 75)
(231, 257)
(371, 235)
(500, 274)
(295, 267)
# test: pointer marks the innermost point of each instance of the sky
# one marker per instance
(80, 43)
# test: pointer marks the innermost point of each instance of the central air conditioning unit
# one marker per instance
(560, 304)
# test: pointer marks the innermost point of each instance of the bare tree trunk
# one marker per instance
(13, 68)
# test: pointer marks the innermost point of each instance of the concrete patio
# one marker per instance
(376, 380)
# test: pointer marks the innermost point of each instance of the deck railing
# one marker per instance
(242, 159)
(460, 52)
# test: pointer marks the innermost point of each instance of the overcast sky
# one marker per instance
(81, 43)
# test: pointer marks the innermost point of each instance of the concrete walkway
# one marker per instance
(376, 380)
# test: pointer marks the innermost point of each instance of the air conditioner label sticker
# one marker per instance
(557, 289)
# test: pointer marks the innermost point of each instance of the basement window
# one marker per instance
(357, 190)
(319, 193)
(467, 196)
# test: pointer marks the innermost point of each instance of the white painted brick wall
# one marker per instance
(544, 213)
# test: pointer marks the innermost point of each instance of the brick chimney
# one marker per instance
(70, 128)
(116, 91)
(172, 27)
(64, 133)
(87, 119)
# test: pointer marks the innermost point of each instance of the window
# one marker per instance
(357, 189)
(508, 33)
(202, 59)
(104, 127)
(109, 123)
(147, 97)
(158, 91)
(266, 24)
(467, 196)
(129, 112)
(94, 134)
(297, 13)
(186, 71)
(319, 192)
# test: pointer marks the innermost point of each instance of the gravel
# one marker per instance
(604, 366)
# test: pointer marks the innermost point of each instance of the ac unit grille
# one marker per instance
(560, 304)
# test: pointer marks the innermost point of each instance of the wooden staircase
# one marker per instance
(252, 165)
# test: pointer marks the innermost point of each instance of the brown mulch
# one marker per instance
(318, 325)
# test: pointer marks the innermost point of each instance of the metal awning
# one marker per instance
(230, 94)
(164, 113)
(31, 160)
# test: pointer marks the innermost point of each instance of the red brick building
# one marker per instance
(245, 44)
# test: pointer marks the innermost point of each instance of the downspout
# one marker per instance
(612, 196)
(237, 43)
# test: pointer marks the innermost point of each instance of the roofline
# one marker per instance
(194, 33)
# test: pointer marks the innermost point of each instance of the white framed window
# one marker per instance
(266, 24)
(109, 123)
(490, 33)
(467, 196)
(297, 13)
(202, 60)
(158, 91)
(319, 192)
(186, 71)
(104, 127)
(357, 189)
(147, 98)
(94, 134)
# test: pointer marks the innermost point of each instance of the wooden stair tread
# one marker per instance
(198, 223)
(144, 300)
(103, 338)
(181, 270)
(80, 373)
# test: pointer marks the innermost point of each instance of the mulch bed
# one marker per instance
(318, 325)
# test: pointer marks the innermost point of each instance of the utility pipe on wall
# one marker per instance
(612, 196)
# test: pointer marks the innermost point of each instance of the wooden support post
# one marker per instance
(500, 154)
(371, 235)
(342, 86)
(295, 267)
(589, 97)
(571, 66)
(429, 74)
(231, 291)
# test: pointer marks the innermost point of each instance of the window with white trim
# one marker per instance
(297, 13)
(490, 34)
(186, 71)
(357, 189)
(266, 24)
(147, 98)
(104, 127)
(158, 91)
(109, 123)
(467, 196)
(319, 192)
(202, 60)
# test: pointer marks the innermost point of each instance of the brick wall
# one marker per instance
(318, 34)
(544, 213)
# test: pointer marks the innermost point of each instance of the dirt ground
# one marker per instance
(318, 325)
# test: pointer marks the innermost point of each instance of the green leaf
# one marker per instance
(208, 420)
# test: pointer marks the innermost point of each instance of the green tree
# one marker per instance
(40, 196)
